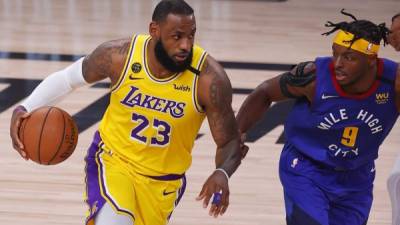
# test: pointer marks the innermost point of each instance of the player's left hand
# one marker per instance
(216, 186)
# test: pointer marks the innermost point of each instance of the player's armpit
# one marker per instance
(215, 95)
(106, 61)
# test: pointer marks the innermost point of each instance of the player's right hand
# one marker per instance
(19, 114)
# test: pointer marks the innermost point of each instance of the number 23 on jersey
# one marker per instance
(162, 128)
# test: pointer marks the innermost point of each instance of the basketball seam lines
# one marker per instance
(41, 133)
(62, 140)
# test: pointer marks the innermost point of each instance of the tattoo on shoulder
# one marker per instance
(102, 62)
(108, 59)
(220, 91)
(124, 48)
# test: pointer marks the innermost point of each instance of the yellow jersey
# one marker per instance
(152, 123)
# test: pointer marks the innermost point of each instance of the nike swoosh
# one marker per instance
(135, 78)
(328, 96)
(168, 193)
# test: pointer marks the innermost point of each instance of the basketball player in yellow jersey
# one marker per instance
(163, 86)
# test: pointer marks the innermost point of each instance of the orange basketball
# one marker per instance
(49, 135)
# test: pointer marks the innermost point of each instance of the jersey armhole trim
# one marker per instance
(126, 65)
(199, 66)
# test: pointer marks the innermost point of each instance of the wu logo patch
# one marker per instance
(382, 98)
(136, 67)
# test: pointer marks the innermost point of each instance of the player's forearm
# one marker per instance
(252, 110)
(228, 157)
(55, 86)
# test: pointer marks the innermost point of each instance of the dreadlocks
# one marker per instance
(361, 29)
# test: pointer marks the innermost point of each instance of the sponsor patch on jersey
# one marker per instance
(382, 98)
(136, 67)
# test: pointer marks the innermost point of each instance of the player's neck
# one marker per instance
(155, 67)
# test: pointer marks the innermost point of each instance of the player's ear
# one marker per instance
(154, 29)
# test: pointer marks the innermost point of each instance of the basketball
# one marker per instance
(49, 135)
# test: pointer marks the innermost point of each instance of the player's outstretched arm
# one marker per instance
(297, 83)
(107, 60)
(215, 95)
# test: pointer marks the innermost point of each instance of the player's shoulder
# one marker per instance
(301, 74)
(117, 46)
(213, 83)
(107, 60)
(213, 72)
(304, 68)
(212, 67)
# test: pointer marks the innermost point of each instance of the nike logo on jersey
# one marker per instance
(135, 78)
(167, 193)
(328, 96)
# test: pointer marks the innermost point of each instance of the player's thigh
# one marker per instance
(306, 206)
(158, 199)
(109, 182)
(352, 209)
(305, 202)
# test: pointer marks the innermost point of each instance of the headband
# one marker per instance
(344, 38)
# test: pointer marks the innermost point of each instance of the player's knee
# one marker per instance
(107, 216)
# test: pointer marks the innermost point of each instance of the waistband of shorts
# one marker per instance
(168, 177)
(324, 165)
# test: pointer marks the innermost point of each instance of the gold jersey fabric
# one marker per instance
(152, 123)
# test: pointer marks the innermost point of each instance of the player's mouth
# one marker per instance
(181, 57)
(340, 75)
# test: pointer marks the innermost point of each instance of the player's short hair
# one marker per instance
(166, 7)
(361, 29)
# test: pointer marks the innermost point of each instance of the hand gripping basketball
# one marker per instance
(49, 135)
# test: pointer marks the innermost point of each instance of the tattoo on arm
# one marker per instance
(105, 61)
(220, 116)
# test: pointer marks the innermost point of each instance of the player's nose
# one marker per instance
(185, 45)
(338, 62)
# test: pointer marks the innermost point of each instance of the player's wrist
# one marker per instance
(224, 172)
(20, 108)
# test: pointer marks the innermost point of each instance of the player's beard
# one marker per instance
(168, 63)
